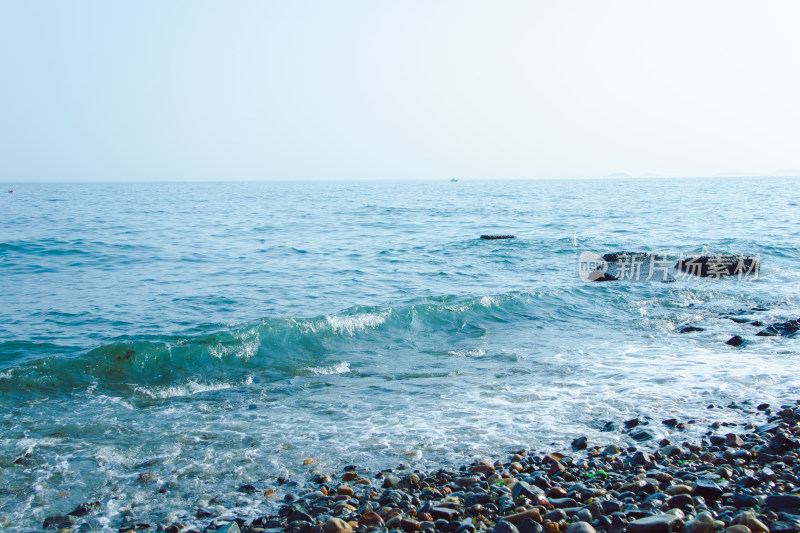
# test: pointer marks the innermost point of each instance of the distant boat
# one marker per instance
(453, 179)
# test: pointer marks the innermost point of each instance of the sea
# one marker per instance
(164, 344)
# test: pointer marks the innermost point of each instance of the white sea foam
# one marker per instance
(338, 368)
(475, 352)
(351, 324)
(189, 388)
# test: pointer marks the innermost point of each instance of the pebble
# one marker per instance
(503, 526)
(580, 527)
(663, 523)
(336, 525)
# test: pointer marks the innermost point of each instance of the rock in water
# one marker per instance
(496, 237)
(783, 329)
(60, 521)
(600, 276)
(580, 443)
(231, 527)
(736, 340)
(717, 265)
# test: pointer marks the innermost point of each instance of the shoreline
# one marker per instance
(734, 482)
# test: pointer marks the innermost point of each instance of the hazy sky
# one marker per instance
(164, 90)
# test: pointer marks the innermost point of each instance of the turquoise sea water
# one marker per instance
(216, 334)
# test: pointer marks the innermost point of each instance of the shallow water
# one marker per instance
(212, 335)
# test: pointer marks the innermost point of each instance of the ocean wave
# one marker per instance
(270, 349)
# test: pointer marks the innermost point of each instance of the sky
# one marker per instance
(414, 89)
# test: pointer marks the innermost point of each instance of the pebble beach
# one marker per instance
(737, 479)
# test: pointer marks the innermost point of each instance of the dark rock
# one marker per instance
(717, 440)
(529, 525)
(562, 503)
(736, 340)
(610, 506)
(787, 503)
(247, 489)
(718, 265)
(505, 527)
(782, 444)
(600, 276)
(690, 329)
(632, 423)
(85, 508)
(465, 527)
(680, 501)
(522, 489)
(580, 443)
(595, 509)
(299, 516)
(642, 459)
(670, 422)
(642, 435)
(783, 329)
(495, 237)
(740, 500)
(660, 523)
(707, 489)
(555, 515)
(474, 499)
(60, 521)
(443, 513)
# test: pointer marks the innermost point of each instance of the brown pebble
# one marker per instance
(551, 527)
(483, 466)
(370, 519)
(555, 468)
(344, 490)
(467, 481)
(337, 525)
(533, 514)
(394, 522)
(407, 524)
(556, 492)
(340, 507)
(349, 476)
